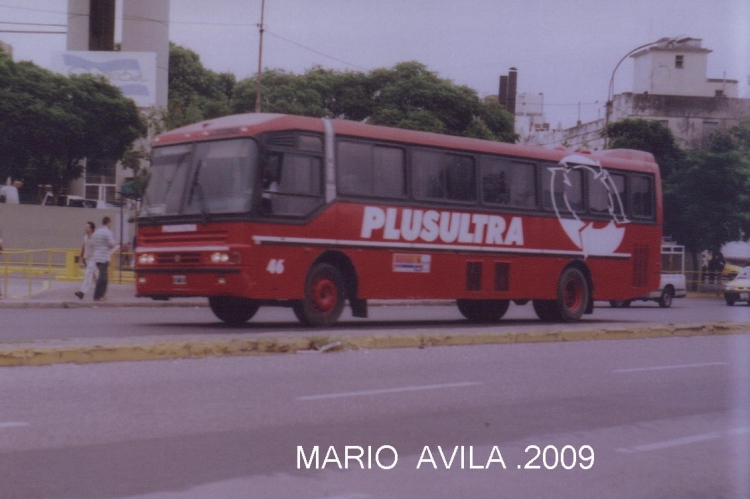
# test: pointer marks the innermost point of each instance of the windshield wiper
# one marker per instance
(196, 186)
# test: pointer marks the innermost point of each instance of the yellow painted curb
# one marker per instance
(38, 355)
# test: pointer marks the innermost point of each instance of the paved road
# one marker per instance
(663, 418)
(191, 322)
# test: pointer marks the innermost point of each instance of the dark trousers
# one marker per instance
(101, 282)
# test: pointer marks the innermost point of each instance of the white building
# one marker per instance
(145, 28)
(670, 86)
(530, 115)
(678, 68)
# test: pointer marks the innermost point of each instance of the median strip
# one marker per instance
(101, 350)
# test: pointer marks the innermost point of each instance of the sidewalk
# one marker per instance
(61, 294)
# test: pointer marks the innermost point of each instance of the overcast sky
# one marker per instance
(565, 49)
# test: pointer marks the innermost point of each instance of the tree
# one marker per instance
(406, 96)
(647, 135)
(195, 93)
(706, 200)
(709, 200)
(287, 93)
(49, 123)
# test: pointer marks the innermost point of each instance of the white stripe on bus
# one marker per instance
(419, 246)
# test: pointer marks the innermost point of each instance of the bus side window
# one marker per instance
(606, 194)
(292, 184)
(443, 176)
(508, 183)
(370, 170)
(270, 182)
(566, 188)
(642, 197)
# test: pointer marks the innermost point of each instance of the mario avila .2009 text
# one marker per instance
(461, 457)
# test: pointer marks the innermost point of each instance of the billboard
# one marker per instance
(134, 73)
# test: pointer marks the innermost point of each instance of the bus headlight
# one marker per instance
(219, 258)
(146, 259)
(222, 257)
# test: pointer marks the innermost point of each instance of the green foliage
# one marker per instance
(706, 192)
(195, 93)
(411, 96)
(406, 96)
(647, 135)
(49, 123)
(708, 202)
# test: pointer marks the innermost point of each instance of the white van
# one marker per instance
(672, 283)
(73, 201)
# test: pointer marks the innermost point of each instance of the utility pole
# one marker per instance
(261, 28)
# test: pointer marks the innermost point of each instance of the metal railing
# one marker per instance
(31, 271)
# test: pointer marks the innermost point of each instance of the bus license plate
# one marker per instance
(179, 279)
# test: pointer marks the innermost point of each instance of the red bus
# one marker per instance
(268, 209)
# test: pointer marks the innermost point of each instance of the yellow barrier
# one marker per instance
(40, 268)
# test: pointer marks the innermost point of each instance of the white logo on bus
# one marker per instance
(593, 241)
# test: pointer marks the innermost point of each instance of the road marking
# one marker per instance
(387, 391)
(676, 442)
(13, 424)
(664, 368)
(350, 496)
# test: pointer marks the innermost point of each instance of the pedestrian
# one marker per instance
(87, 252)
(103, 244)
(9, 192)
(716, 267)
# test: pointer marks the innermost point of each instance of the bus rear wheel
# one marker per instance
(573, 295)
(324, 297)
(483, 310)
(233, 310)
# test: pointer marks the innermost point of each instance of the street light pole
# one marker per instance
(261, 27)
(611, 89)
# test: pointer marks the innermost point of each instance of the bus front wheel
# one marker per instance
(324, 297)
(483, 310)
(233, 310)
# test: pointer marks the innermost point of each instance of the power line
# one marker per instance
(316, 51)
(32, 9)
(34, 32)
(34, 24)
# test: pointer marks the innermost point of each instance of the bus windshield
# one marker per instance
(202, 178)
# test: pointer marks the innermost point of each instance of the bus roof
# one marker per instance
(252, 124)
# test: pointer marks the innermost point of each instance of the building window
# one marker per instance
(101, 179)
(679, 61)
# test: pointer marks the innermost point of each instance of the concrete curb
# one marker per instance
(97, 351)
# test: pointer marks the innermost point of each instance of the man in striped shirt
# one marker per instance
(104, 243)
